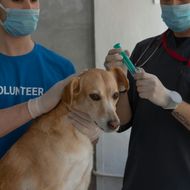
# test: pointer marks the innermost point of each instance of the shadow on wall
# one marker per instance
(67, 27)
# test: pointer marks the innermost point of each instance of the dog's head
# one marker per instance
(96, 92)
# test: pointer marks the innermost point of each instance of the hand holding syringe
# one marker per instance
(127, 62)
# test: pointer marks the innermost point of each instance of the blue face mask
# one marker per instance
(20, 22)
(176, 17)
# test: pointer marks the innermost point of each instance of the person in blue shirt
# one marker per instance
(157, 105)
(27, 71)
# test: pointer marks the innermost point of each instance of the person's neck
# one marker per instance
(15, 46)
(182, 34)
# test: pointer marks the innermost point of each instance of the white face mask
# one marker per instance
(20, 22)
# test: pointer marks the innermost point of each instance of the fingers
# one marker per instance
(144, 95)
(141, 74)
(109, 65)
(145, 88)
(113, 59)
(114, 51)
(127, 52)
(145, 83)
(118, 50)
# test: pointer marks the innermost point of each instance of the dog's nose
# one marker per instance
(113, 124)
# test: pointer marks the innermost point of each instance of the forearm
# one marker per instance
(13, 117)
(182, 114)
(124, 109)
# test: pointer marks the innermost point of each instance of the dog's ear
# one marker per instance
(121, 78)
(71, 90)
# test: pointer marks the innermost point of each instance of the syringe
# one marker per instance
(131, 68)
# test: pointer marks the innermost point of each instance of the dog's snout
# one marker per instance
(113, 124)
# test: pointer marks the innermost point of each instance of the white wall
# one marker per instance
(127, 22)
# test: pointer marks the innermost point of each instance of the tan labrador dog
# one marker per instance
(55, 154)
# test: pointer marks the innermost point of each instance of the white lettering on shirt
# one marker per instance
(21, 91)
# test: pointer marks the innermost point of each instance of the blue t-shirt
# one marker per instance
(28, 76)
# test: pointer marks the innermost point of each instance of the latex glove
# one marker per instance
(49, 100)
(150, 87)
(83, 122)
(114, 59)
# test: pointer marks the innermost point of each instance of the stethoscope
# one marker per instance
(152, 42)
(162, 41)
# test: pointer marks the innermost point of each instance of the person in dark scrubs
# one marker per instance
(157, 105)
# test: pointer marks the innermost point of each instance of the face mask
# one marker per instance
(176, 17)
(20, 22)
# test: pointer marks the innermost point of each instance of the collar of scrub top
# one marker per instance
(171, 52)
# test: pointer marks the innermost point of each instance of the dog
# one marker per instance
(56, 155)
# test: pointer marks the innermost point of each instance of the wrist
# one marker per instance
(173, 100)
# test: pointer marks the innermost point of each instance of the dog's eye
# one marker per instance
(95, 97)
(115, 95)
